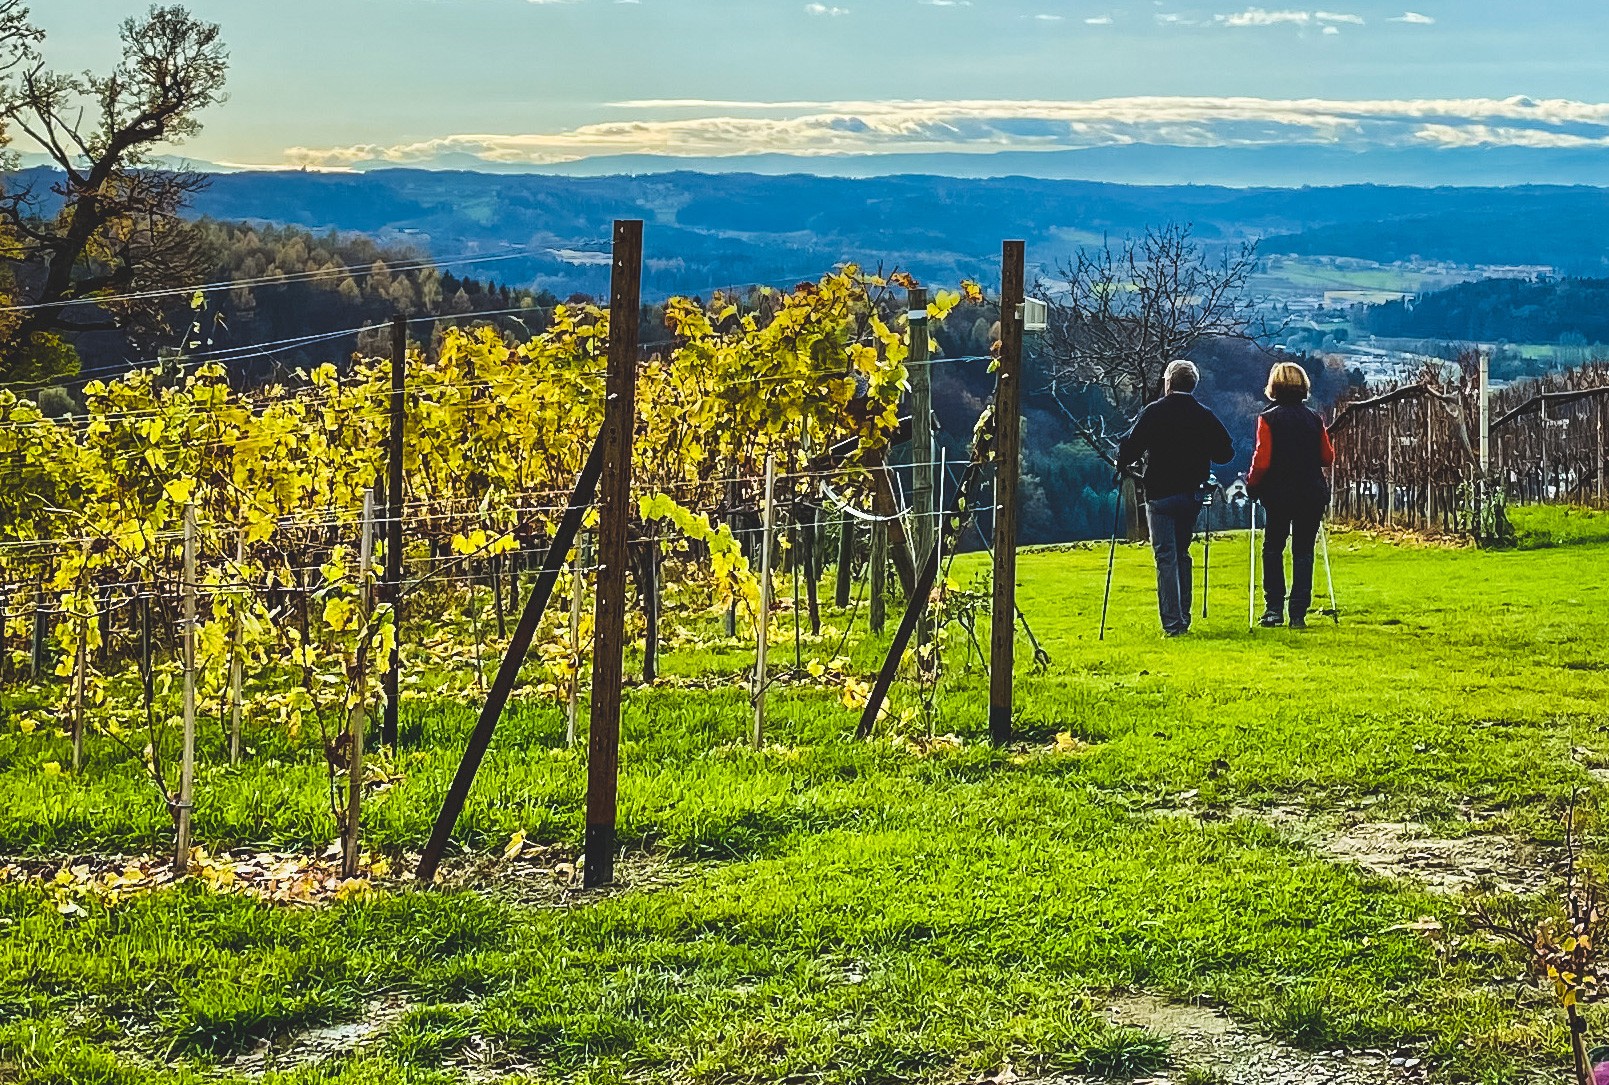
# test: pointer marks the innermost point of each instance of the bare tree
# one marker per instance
(1123, 311)
(119, 229)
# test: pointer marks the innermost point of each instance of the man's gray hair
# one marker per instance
(1181, 376)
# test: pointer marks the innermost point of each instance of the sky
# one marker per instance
(515, 83)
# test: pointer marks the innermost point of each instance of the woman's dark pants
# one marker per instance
(1300, 525)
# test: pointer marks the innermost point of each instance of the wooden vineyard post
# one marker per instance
(877, 573)
(1483, 492)
(357, 718)
(762, 624)
(580, 575)
(236, 665)
(395, 438)
(1008, 449)
(187, 770)
(846, 562)
(609, 613)
(923, 521)
(1600, 472)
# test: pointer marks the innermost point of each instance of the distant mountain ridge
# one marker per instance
(710, 230)
(1268, 165)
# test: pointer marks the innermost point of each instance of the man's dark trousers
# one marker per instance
(1173, 524)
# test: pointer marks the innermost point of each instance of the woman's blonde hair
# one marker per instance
(1288, 381)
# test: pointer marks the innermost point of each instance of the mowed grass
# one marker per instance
(865, 913)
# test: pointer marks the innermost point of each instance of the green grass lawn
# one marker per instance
(866, 912)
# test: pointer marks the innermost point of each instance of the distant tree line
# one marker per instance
(1546, 310)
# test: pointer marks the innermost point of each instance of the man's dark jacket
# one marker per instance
(1176, 437)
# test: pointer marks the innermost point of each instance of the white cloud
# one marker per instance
(948, 3)
(1332, 30)
(1264, 17)
(1260, 17)
(816, 129)
(823, 9)
(1415, 18)
(1098, 20)
(1048, 18)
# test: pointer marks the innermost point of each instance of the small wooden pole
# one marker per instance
(396, 440)
(80, 665)
(609, 613)
(36, 655)
(1008, 450)
(811, 529)
(877, 572)
(580, 576)
(187, 771)
(923, 509)
(236, 666)
(351, 841)
(1599, 472)
(846, 562)
(762, 624)
(650, 586)
(735, 526)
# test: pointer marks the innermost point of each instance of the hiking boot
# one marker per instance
(1271, 620)
(1298, 621)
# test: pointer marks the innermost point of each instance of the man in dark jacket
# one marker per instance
(1178, 440)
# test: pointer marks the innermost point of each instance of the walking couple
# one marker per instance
(1174, 443)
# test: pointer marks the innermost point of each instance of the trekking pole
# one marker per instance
(1329, 575)
(1251, 577)
(1111, 557)
(1206, 572)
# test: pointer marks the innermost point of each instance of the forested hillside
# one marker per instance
(1544, 310)
(295, 284)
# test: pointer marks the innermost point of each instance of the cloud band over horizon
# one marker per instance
(694, 128)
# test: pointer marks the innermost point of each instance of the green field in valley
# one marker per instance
(1237, 820)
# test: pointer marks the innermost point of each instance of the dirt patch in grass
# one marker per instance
(313, 1046)
(1482, 859)
(1208, 1046)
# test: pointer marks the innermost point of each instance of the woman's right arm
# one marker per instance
(1263, 455)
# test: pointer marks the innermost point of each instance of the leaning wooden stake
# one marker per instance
(950, 528)
(187, 770)
(609, 613)
(1008, 446)
(480, 739)
(762, 624)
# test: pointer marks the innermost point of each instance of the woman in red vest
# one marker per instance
(1287, 476)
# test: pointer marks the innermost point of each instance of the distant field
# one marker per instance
(1174, 823)
(1308, 276)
